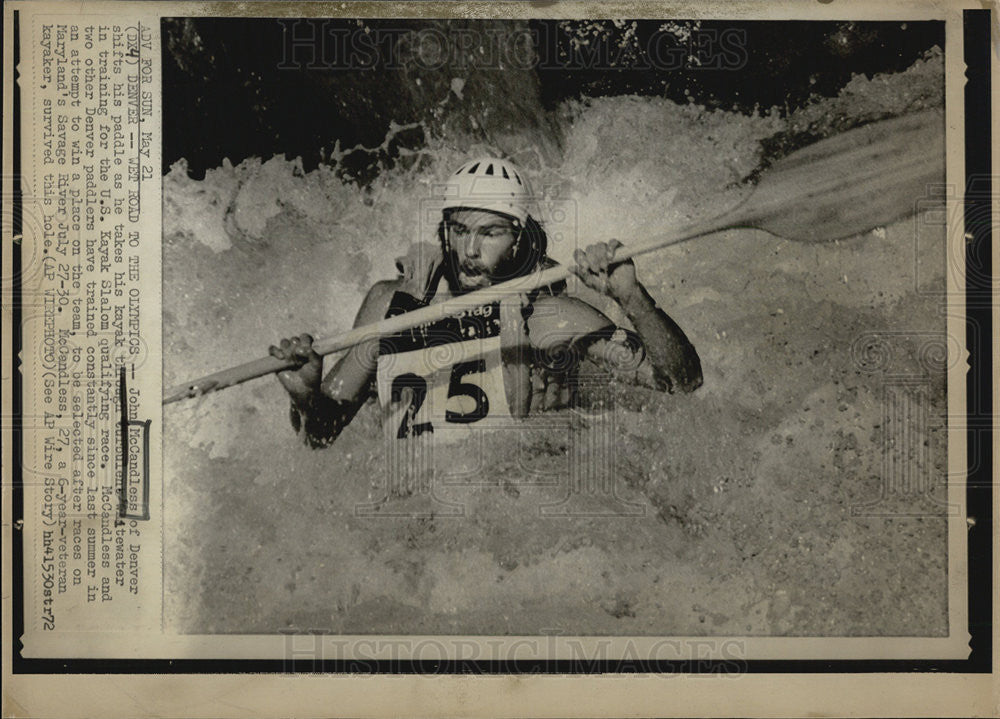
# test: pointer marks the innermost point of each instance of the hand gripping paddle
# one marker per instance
(836, 188)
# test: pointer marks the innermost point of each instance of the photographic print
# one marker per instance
(740, 434)
(551, 350)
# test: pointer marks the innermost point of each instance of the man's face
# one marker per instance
(482, 241)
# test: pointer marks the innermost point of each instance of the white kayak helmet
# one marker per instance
(489, 183)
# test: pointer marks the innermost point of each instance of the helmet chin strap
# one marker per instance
(516, 247)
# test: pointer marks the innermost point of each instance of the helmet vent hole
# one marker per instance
(473, 168)
(489, 169)
(504, 171)
(518, 178)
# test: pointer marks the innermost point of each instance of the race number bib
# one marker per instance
(444, 376)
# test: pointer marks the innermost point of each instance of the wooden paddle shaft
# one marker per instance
(431, 313)
(835, 188)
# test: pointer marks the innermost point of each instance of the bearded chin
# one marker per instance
(470, 284)
(507, 269)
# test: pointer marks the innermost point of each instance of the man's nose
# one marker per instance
(472, 244)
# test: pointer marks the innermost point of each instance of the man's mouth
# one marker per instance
(472, 275)
(471, 270)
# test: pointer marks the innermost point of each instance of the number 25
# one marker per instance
(456, 388)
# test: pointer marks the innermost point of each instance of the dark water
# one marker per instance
(241, 88)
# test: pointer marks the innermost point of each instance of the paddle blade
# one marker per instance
(852, 182)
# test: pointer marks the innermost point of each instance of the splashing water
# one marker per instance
(266, 534)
